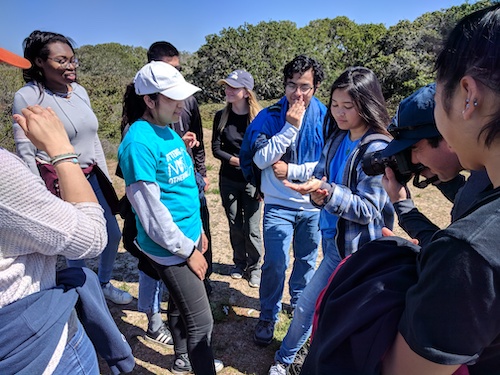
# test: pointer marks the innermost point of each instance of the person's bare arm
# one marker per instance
(401, 360)
(44, 129)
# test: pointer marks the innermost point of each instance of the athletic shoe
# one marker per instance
(254, 280)
(115, 295)
(218, 365)
(277, 369)
(264, 332)
(236, 273)
(182, 365)
(161, 336)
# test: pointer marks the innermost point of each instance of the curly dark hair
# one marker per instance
(302, 64)
(37, 45)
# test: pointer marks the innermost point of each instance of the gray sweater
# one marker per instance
(77, 116)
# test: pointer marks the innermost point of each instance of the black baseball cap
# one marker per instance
(414, 120)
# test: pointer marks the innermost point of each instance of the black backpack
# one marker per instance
(357, 318)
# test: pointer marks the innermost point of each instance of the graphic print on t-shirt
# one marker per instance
(178, 169)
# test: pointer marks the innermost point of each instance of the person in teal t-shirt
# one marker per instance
(161, 187)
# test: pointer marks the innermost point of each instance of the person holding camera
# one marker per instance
(418, 146)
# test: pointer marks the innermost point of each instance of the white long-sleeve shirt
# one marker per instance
(275, 192)
(35, 227)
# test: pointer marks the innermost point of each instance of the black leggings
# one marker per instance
(189, 315)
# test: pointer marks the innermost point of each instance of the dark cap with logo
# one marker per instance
(414, 120)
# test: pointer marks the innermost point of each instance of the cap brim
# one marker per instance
(13, 59)
(230, 82)
(398, 145)
(180, 92)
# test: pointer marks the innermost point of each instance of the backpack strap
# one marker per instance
(363, 146)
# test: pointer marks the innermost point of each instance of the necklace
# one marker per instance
(60, 94)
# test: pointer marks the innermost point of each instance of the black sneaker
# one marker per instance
(182, 365)
(161, 336)
(237, 272)
(264, 332)
(288, 310)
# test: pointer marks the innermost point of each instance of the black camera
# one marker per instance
(375, 163)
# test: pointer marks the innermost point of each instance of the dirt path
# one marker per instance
(234, 304)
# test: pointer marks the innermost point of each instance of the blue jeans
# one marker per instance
(150, 292)
(108, 256)
(243, 213)
(79, 356)
(300, 327)
(281, 226)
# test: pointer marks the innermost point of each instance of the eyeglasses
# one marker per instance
(65, 63)
(292, 87)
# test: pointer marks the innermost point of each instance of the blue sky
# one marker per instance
(185, 23)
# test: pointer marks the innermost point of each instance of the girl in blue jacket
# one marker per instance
(354, 205)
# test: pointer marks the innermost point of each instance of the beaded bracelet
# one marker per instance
(73, 158)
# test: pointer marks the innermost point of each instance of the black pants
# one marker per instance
(189, 316)
(205, 220)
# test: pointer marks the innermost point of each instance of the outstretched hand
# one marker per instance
(310, 186)
(44, 129)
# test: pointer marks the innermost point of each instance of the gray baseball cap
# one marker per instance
(237, 79)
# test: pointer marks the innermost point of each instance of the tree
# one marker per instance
(12, 80)
(339, 43)
(262, 50)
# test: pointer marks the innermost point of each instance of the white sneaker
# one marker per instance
(218, 365)
(277, 369)
(115, 295)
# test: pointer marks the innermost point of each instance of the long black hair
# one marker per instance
(133, 106)
(365, 91)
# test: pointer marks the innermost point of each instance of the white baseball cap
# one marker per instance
(158, 77)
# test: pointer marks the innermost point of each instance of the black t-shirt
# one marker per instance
(227, 143)
(452, 314)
